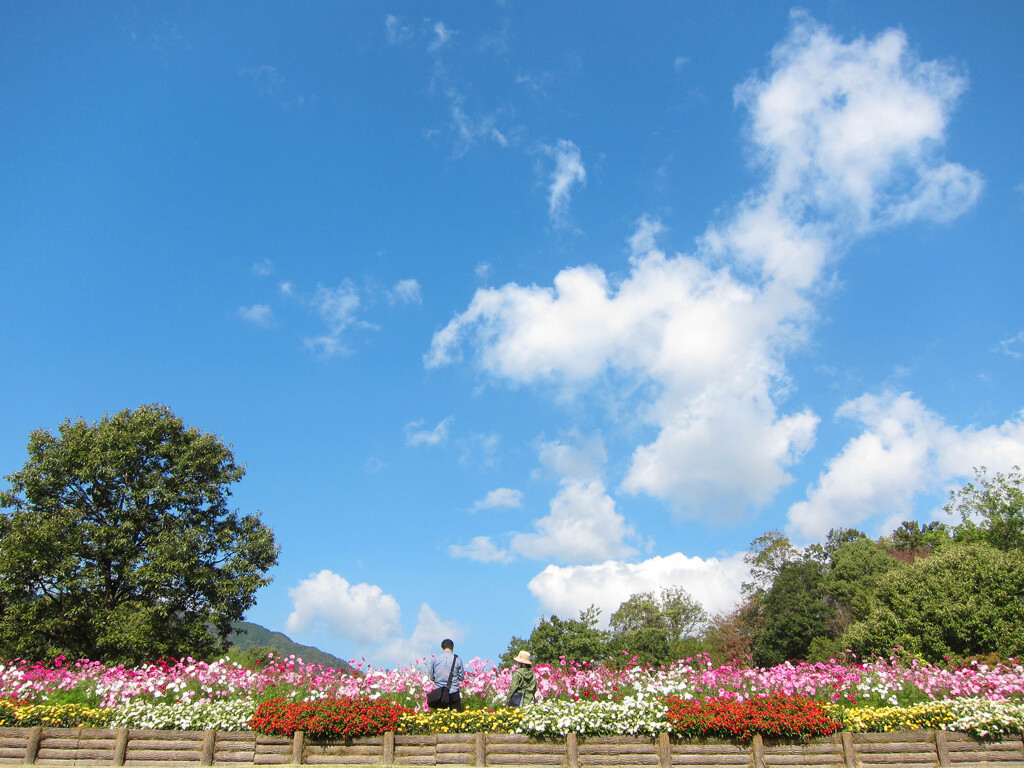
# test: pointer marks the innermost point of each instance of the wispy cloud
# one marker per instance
(395, 31)
(416, 435)
(258, 314)
(1012, 346)
(337, 307)
(405, 292)
(500, 498)
(263, 268)
(568, 172)
(441, 37)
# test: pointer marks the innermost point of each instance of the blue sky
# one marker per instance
(514, 308)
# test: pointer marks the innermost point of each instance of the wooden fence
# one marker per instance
(166, 749)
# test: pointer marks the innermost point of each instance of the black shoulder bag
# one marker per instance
(439, 698)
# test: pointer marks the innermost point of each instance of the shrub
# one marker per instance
(21, 715)
(776, 716)
(470, 721)
(327, 718)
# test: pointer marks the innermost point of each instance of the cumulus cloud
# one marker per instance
(500, 497)
(257, 314)
(565, 591)
(415, 435)
(365, 617)
(582, 524)
(429, 631)
(904, 451)
(568, 171)
(406, 292)
(362, 613)
(848, 137)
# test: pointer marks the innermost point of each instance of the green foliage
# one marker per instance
(120, 545)
(917, 540)
(653, 629)
(856, 568)
(964, 600)
(250, 644)
(991, 510)
(794, 613)
(768, 553)
(575, 639)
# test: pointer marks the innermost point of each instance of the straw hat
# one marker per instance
(523, 658)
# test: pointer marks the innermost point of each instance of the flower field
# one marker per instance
(692, 698)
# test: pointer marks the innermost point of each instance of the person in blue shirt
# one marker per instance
(438, 669)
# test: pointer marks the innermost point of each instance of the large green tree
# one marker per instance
(991, 510)
(657, 630)
(554, 638)
(119, 544)
(795, 612)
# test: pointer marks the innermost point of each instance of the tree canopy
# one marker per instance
(119, 544)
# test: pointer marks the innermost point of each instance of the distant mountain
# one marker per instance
(245, 635)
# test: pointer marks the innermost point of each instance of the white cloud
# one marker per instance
(1011, 346)
(680, 62)
(565, 591)
(583, 527)
(568, 171)
(441, 37)
(849, 136)
(365, 617)
(905, 451)
(286, 288)
(500, 497)
(406, 292)
(257, 314)
(483, 270)
(425, 640)
(362, 613)
(481, 549)
(263, 268)
(436, 436)
(580, 459)
(394, 31)
(337, 307)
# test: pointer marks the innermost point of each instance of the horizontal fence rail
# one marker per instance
(168, 749)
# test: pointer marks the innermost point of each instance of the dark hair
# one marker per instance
(446, 643)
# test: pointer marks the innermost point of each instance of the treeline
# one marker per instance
(939, 592)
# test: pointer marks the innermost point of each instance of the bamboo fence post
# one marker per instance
(298, 747)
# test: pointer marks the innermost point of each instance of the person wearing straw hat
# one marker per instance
(524, 683)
